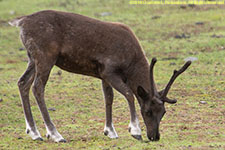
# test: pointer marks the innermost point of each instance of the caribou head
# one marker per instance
(153, 108)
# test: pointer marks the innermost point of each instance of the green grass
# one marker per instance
(78, 100)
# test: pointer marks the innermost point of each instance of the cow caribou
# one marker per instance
(105, 50)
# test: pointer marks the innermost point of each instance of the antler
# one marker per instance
(172, 79)
(152, 83)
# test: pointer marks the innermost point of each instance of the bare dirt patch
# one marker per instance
(201, 7)
(189, 30)
(11, 61)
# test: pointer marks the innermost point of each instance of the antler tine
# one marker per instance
(152, 83)
(172, 79)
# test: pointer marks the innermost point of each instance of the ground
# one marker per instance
(169, 32)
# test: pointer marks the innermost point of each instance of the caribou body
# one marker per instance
(105, 50)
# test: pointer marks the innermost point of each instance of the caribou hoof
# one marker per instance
(38, 139)
(35, 135)
(135, 132)
(111, 133)
(62, 141)
(55, 136)
(138, 137)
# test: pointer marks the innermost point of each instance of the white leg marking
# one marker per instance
(34, 134)
(54, 135)
(110, 132)
(134, 127)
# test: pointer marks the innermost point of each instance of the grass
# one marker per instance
(78, 100)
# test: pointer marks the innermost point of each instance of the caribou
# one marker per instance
(108, 51)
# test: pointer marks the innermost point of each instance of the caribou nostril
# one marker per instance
(154, 137)
(157, 137)
(151, 138)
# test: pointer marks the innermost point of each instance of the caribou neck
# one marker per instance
(140, 78)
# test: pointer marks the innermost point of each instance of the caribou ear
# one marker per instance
(142, 93)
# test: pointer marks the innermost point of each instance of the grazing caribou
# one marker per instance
(105, 50)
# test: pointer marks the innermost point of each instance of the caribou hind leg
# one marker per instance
(24, 85)
(43, 56)
(43, 65)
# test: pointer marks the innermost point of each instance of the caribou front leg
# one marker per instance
(109, 129)
(116, 82)
(134, 127)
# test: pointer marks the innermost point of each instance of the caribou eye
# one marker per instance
(149, 113)
(152, 103)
